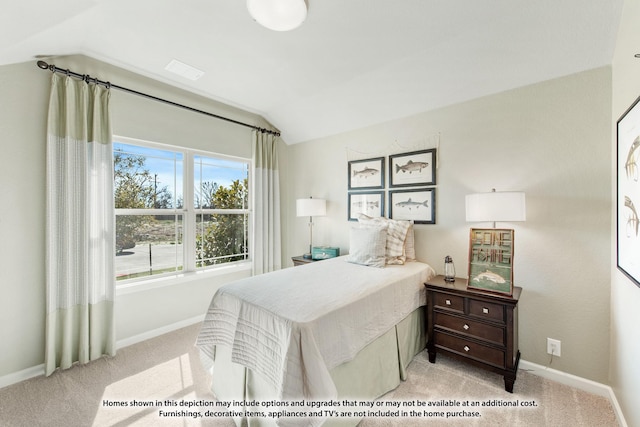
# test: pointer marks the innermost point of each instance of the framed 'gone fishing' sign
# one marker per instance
(491, 260)
(628, 192)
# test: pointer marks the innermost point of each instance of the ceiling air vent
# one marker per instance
(184, 70)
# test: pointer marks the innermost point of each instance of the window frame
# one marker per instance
(189, 214)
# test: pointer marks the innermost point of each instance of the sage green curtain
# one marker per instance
(80, 241)
(266, 197)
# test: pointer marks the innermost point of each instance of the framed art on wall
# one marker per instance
(417, 204)
(370, 203)
(366, 174)
(628, 192)
(413, 169)
(491, 260)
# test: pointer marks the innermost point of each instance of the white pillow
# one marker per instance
(367, 246)
(396, 237)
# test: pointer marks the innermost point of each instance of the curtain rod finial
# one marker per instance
(43, 65)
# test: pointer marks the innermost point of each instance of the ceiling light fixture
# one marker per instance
(278, 15)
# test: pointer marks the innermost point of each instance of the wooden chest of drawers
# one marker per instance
(478, 327)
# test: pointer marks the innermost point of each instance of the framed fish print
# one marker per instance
(370, 203)
(413, 169)
(417, 204)
(491, 260)
(366, 174)
(628, 192)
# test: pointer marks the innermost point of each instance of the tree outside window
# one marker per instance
(152, 221)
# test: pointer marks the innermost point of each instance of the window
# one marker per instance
(177, 209)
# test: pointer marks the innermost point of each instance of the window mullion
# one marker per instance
(189, 236)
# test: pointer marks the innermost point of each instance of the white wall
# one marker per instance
(23, 104)
(551, 140)
(625, 296)
(24, 93)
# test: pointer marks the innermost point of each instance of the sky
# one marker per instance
(167, 166)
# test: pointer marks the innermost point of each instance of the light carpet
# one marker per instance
(167, 369)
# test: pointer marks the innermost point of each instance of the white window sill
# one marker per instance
(161, 282)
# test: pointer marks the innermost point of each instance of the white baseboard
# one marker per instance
(23, 375)
(157, 332)
(576, 382)
(38, 370)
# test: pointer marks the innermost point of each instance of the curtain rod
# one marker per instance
(87, 78)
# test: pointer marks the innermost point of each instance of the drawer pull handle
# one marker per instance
(466, 348)
(466, 327)
(485, 310)
(447, 301)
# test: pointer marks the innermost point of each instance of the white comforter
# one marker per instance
(294, 325)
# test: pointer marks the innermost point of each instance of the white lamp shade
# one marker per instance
(507, 206)
(278, 15)
(311, 207)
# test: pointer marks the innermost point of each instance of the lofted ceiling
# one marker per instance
(352, 63)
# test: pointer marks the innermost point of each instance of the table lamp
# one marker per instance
(508, 206)
(311, 207)
(491, 250)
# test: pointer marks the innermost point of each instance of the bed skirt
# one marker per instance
(377, 369)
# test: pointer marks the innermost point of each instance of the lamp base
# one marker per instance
(306, 256)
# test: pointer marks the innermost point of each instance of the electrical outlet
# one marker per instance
(553, 347)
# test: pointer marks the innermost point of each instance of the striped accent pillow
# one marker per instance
(409, 244)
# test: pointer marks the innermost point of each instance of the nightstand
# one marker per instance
(300, 260)
(477, 327)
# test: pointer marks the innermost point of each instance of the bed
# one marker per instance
(326, 331)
